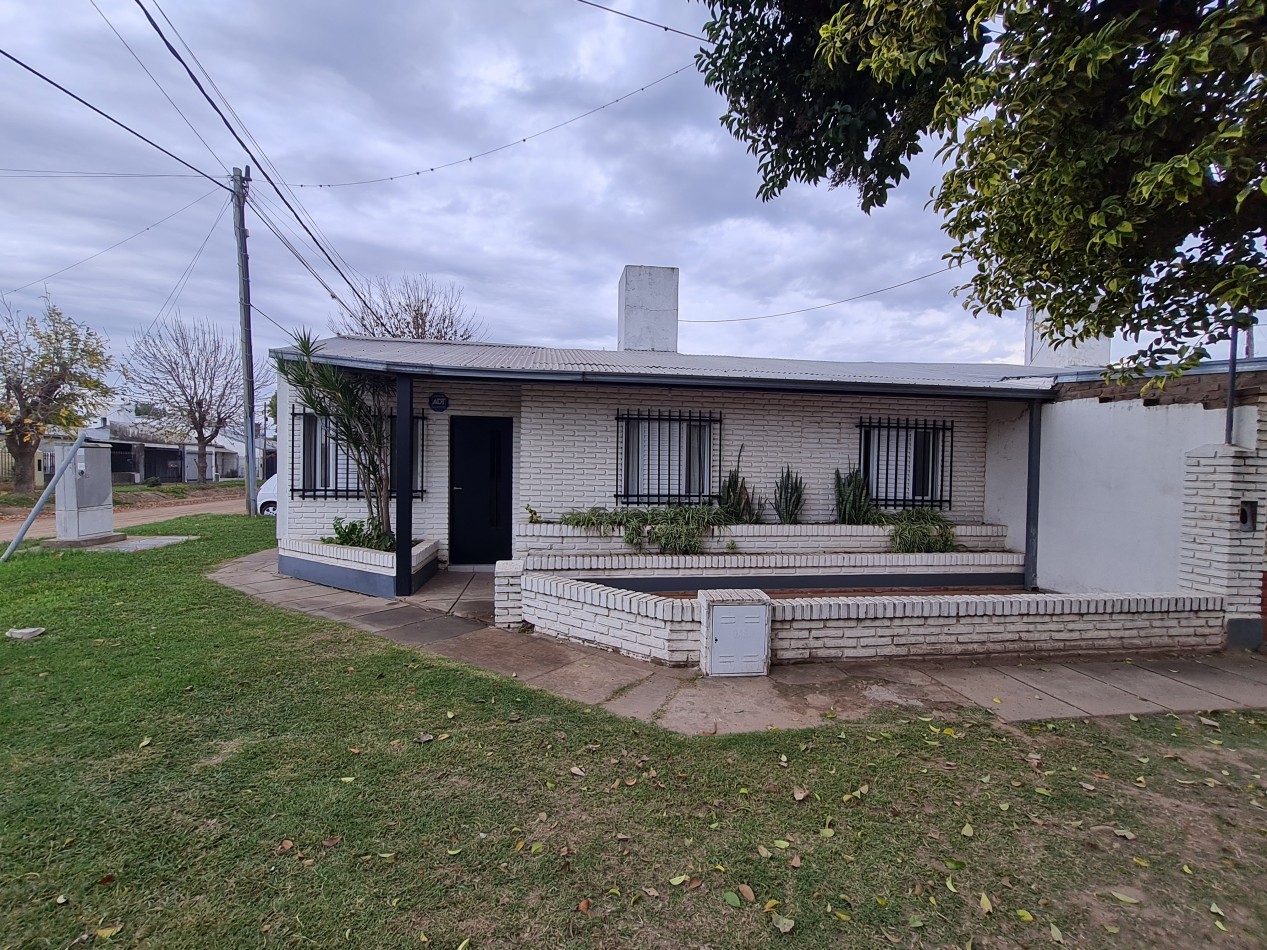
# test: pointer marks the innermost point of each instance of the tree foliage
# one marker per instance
(357, 406)
(1107, 161)
(190, 373)
(53, 371)
(411, 307)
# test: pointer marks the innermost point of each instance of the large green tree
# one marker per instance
(1107, 161)
(52, 376)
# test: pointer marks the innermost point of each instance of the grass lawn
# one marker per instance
(184, 767)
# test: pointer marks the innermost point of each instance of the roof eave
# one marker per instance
(936, 390)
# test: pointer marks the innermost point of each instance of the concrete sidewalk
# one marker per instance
(449, 616)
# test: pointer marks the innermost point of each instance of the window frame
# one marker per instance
(667, 457)
(907, 463)
(326, 471)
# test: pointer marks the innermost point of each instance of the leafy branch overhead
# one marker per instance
(1107, 162)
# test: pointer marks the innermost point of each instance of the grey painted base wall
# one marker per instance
(1244, 633)
(349, 578)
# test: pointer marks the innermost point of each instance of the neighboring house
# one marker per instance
(1056, 483)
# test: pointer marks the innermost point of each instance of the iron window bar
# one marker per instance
(667, 456)
(326, 468)
(907, 463)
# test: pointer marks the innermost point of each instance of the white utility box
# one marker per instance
(735, 628)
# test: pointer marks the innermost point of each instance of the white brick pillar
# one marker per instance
(1218, 552)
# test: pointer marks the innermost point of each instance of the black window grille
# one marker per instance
(325, 468)
(907, 462)
(667, 456)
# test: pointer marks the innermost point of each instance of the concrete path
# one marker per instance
(450, 617)
(46, 527)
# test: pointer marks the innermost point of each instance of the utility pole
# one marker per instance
(240, 185)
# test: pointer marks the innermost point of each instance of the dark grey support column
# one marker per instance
(402, 482)
(1031, 494)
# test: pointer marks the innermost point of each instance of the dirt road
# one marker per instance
(46, 527)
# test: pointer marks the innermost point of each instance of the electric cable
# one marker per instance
(116, 244)
(823, 306)
(131, 131)
(661, 26)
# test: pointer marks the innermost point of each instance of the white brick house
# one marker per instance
(488, 432)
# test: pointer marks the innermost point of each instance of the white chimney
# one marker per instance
(1038, 352)
(648, 309)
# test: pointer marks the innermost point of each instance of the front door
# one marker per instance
(479, 489)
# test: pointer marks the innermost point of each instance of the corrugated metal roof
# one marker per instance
(497, 360)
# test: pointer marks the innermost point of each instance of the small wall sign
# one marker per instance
(438, 402)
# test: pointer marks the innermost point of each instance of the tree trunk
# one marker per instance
(202, 462)
(23, 465)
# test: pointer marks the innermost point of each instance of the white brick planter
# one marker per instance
(669, 630)
(540, 539)
(350, 568)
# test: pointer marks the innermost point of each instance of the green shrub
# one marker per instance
(677, 529)
(920, 531)
(361, 534)
(153, 482)
(789, 496)
(853, 500)
(738, 504)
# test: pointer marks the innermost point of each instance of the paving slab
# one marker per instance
(644, 699)
(1016, 700)
(720, 705)
(1242, 663)
(591, 680)
(1235, 689)
(799, 674)
(1094, 697)
(142, 543)
(511, 654)
(1166, 692)
(426, 632)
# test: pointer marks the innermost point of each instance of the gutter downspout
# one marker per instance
(1231, 390)
(48, 490)
(1031, 494)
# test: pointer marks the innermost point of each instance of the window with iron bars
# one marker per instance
(907, 462)
(667, 457)
(324, 467)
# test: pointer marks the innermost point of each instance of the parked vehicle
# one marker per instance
(266, 497)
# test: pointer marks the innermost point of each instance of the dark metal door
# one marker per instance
(479, 489)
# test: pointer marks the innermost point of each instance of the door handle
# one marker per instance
(456, 488)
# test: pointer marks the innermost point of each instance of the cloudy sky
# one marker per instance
(536, 234)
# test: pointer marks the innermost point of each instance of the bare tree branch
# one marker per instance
(191, 373)
(410, 307)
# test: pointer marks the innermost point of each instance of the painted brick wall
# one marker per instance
(749, 539)
(569, 439)
(565, 447)
(869, 628)
(659, 629)
(1215, 554)
(668, 630)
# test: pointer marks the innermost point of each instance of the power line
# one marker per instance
(667, 29)
(289, 245)
(58, 173)
(501, 148)
(159, 86)
(823, 306)
(116, 244)
(269, 319)
(234, 132)
(84, 102)
(173, 296)
(263, 161)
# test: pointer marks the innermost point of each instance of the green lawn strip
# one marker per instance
(485, 831)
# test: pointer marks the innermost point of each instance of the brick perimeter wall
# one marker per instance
(662, 629)
(668, 630)
(869, 628)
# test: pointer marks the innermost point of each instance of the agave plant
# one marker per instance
(789, 496)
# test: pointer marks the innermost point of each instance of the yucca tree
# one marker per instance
(356, 405)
